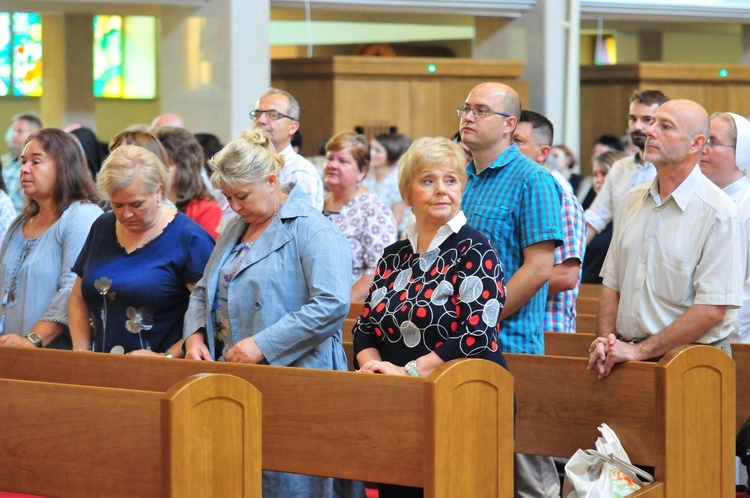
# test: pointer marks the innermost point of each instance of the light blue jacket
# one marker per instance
(45, 279)
(292, 293)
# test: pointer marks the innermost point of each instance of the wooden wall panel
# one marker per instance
(605, 91)
(379, 92)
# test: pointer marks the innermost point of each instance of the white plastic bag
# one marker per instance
(603, 473)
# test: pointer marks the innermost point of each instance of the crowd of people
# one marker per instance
(168, 243)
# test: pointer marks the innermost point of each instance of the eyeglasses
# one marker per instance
(271, 114)
(712, 143)
(479, 112)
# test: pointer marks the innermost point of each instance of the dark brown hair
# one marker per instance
(73, 180)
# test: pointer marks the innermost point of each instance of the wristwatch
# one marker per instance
(411, 368)
(35, 339)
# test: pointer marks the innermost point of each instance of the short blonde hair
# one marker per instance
(247, 159)
(126, 164)
(430, 151)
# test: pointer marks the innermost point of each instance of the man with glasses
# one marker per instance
(516, 204)
(675, 269)
(627, 172)
(278, 112)
(726, 162)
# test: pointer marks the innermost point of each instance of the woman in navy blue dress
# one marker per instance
(139, 263)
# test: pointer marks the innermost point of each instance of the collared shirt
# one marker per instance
(739, 191)
(445, 231)
(299, 170)
(560, 314)
(12, 178)
(624, 175)
(516, 203)
(668, 254)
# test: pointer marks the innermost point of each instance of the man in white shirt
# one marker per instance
(675, 269)
(627, 172)
(726, 162)
(277, 112)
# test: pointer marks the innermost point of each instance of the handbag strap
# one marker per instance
(630, 470)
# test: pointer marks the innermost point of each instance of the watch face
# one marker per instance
(35, 339)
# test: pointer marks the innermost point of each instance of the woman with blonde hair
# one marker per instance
(436, 296)
(139, 263)
(276, 288)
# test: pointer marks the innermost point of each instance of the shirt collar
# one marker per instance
(503, 159)
(453, 226)
(684, 191)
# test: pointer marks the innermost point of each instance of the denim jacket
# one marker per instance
(291, 294)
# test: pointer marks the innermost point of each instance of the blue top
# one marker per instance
(291, 292)
(40, 289)
(152, 280)
(516, 203)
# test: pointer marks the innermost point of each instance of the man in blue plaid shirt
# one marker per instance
(517, 205)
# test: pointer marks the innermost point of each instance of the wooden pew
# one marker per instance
(741, 356)
(355, 309)
(585, 323)
(589, 291)
(84, 441)
(676, 415)
(451, 433)
(586, 305)
(561, 344)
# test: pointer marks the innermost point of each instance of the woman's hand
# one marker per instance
(145, 352)
(196, 349)
(245, 351)
(15, 340)
(383, 367)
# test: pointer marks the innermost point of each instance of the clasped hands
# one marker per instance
(605, 352)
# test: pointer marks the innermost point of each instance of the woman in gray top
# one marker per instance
(42, 244)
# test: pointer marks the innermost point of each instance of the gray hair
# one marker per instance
(293, 110)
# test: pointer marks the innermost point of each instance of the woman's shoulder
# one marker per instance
(469, 232)
(184, 226)
(79, 217)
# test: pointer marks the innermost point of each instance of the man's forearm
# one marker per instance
(606, 313)
(686, 329)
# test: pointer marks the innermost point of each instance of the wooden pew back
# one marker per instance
(375, 428)
(677, 414)
(741, 356)
(83, 441)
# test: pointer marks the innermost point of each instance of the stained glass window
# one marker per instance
(125, 57)
(20, 54)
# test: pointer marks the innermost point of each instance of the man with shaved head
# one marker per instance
(675, 269)
(517, 205)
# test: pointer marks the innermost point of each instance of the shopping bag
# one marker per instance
(603, 473)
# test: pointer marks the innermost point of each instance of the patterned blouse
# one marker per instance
(447, 300)
(369, 226)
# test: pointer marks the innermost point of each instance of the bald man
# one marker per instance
(164, 120)
(726, 162)
(675, 269)
(517, 205)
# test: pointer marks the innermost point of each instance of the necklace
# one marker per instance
(148, 237)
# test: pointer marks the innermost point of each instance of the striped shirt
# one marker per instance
(515, 203)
